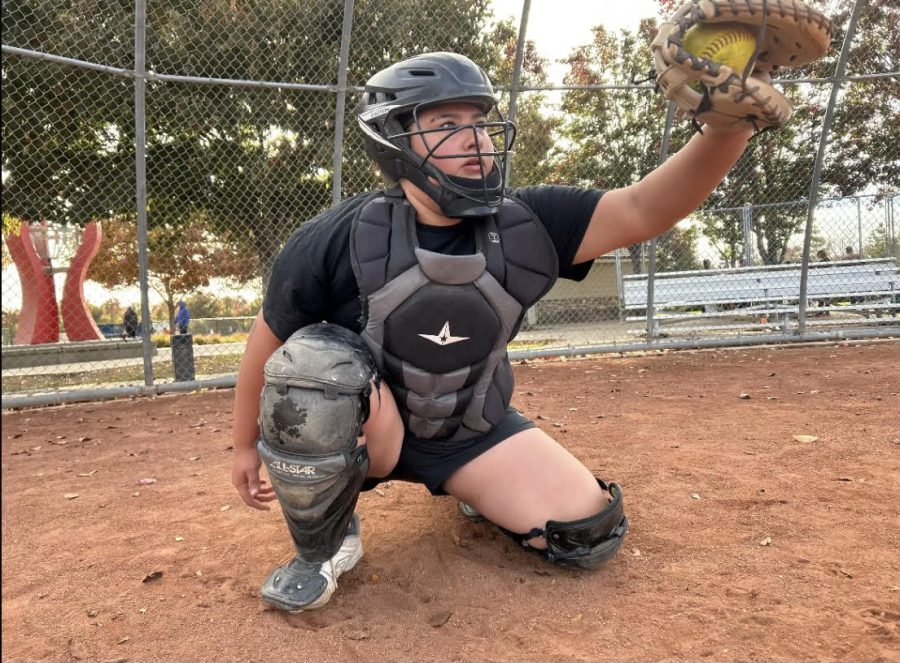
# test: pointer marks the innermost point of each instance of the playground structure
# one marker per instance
(34, 250)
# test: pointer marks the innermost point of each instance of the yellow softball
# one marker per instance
(731, 44)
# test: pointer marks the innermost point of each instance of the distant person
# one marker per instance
(707, 264)
(822, 256)
(182, 318)
(130, 323)
(850, 254)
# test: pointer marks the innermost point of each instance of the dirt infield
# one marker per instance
(745, 543)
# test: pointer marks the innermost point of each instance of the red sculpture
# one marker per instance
(39, 317)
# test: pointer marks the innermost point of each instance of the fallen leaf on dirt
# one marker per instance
(766, 542)
(439, 618)
(379, 491)
(59, 442)
(142, 610)
(695, 496)
(84, 439)
(60, 437)
(153, 575)
(814, 391)
(805, 438)
(136, 493)
(13, 436)
(146, 482)
(39, 474)
(93, 613)
(88, 474)
(123, 640)
(179, 538)
(357, 635)
(635, 552)
(37, 448)
(843, 479)
(376, 577)
(844, 573)
(744, 396)
(578, 617)
(225, 508)
(771, 398)
(194, 458)
(70, 496)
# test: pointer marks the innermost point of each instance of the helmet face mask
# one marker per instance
(389, 116)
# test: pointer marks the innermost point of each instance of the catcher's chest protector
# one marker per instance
(438, 324)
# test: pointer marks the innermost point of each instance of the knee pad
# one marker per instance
(312, 408)
(587, 543)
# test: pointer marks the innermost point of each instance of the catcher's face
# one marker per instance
(455, 139)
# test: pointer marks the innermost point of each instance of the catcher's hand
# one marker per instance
(735, 89)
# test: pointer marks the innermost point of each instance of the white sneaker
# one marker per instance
(300, 585)
(469, 512)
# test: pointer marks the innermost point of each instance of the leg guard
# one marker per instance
(587, 543)
(313, 405)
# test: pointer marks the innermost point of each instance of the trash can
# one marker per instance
(183, 357)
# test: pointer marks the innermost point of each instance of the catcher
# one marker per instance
(380, 350)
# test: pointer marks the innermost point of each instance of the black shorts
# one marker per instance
(431, 462)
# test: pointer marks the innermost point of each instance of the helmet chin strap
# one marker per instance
(466, 194)
(476, 184)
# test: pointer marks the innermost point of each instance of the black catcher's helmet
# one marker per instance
(391, 102)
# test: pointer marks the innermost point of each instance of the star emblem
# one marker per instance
(444, 337)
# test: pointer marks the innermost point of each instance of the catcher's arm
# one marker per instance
(261, 343)
(666, 195)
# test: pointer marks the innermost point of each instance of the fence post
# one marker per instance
(341, 105)
(516, 78)
(651, 268)
(140, 179)
(820, 157)
(746, 229)
(859, 247)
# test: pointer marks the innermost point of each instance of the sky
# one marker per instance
(558, 26)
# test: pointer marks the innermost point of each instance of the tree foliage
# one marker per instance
(182, 259)
(253, 162)
(613, 137)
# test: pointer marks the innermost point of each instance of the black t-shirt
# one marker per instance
(312, 279)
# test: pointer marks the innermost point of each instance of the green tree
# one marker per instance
(182, 259)
(881, 244)
(255, 163)
(612, 138)
(535, 127)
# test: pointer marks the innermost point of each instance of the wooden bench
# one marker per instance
(764, 293)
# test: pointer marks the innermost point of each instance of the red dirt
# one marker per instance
(745, 543)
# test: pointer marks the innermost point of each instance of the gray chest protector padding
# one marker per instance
(438, 325)
(312, 407)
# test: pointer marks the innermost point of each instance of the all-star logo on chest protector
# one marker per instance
(439, 324)
(444, 337)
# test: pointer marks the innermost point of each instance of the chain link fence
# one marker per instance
(163, 152)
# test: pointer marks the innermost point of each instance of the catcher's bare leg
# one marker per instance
(534, 489)
(321, 385)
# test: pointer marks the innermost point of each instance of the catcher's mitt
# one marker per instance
(788, 33)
